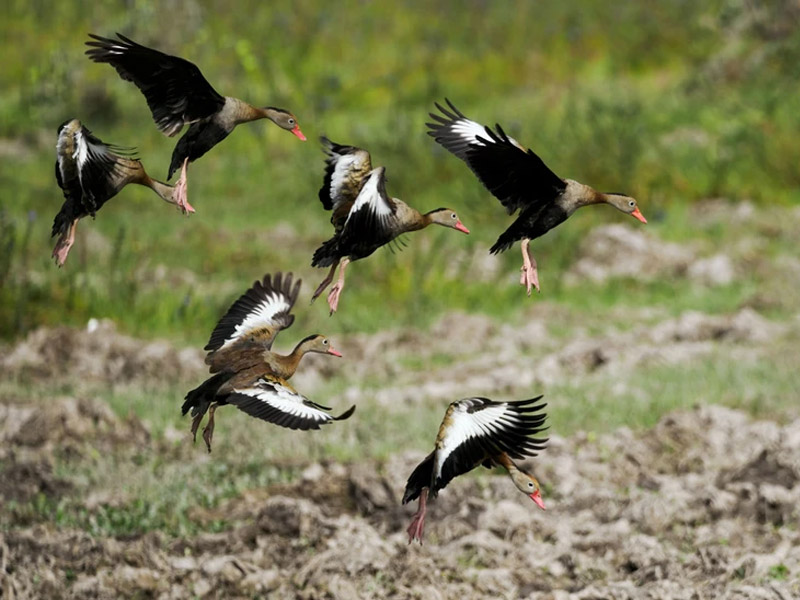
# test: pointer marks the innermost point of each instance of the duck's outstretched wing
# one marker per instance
(175, 89)
(476, 429)
(513, 174)
(255, 318)
(272, 399)
(346, 170)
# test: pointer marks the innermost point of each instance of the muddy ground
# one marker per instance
(703, 505)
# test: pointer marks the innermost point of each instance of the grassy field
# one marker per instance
(674, 103)
(671, 104)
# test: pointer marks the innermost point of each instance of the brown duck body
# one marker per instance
(247, 373)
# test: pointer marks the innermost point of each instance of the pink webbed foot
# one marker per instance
(333, 297)
(181, 191)
(529, 278)
(416, 528)
(181, 198)
(61, 251)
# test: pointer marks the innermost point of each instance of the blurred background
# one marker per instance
(691, 107)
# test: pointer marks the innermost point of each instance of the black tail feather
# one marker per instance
(326, 254)
(200, 398)
(420, 478)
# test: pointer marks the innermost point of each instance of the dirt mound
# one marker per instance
(97, 353)
(509, 359)
(693, 508)
(32, 436)
(621, 251)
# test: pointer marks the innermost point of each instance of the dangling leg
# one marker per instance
(208, 432)
(333, 295)
(417, 525)
(530, 276)
(325, 282)
(181, 189)
(64, 243)
(196, 420)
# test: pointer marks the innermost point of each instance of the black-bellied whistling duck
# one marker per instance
(178, 95)
(90, 173)
(521, 181)
(478, 431)
(364, 216)
(247, 373)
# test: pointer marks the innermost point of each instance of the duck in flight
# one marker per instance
(521, 181)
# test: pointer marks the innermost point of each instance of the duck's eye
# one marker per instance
(632, 203)
(324, 342)
(530, 484)
(454, 216)
(291, 121)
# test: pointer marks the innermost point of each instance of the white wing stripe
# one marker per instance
(469, 131)
(260, 316)
(371, 197)
(481, 423)
(286, 401)
(342, 166)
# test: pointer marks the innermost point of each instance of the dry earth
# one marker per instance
(705, 505)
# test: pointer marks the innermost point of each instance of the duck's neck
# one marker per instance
(411, 218)
(163, 190)
(285, 366)
(238, 111)
(504, 460)
(578, 194)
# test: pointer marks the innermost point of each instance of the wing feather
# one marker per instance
(175, 89)
(515, 176)
(346, 170)
(475, 429)
(272, 399)
(258, 315)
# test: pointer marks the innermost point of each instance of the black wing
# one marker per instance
(515, 176)
(260, 313)
(346, 169)
(175, 89)
(371, 222)
(475, 429)
(272, 399)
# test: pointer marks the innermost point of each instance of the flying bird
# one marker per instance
(178, 95)
(521, 181)
(90, 173)
(478, 431)
(364, 216)
(248, 374)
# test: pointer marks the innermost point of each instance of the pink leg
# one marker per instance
(325, 282)
(208, 432)
(415, 529)
(530, 276)
(333, 295)
(196, 425)
(181, 188)
(64, 244)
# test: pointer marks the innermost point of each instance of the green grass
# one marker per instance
(667, 104)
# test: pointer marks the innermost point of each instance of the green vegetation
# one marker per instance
(672, 104)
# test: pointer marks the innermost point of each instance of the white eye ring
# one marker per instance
(631, 203)
(325, 342)
(454, 216)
